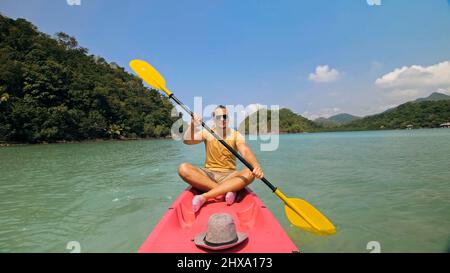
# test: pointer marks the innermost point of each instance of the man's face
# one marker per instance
(221, 118)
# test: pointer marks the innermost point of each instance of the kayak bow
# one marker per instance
(176, 230)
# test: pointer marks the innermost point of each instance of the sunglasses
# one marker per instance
(219, 117)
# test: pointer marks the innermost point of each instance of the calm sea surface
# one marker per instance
(392, 187)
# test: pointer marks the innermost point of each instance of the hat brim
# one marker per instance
(200, 242)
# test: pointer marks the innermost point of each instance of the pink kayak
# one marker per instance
(175, 232)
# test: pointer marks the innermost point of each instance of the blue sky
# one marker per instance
(316, 57)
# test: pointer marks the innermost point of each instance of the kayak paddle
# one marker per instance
(299, 212)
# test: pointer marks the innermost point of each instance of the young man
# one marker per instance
(219, 177)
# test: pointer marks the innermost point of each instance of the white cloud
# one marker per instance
(324, 73)
(417, 76)
(444, 91)
(252, 108)
(412, 82)
(374, 2)
(383, 108)
(325, 112)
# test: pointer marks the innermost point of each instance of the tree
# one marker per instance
(52, 90)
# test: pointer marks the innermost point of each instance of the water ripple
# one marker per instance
(390, 186)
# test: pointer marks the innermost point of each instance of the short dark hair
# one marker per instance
(220, 106)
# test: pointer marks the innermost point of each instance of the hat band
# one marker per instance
(220, 244)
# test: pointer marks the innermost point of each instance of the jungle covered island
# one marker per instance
(289, 122)
(429, 112)
(336, 120)
(52, 90)
(410, 115)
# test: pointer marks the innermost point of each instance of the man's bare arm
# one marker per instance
(248, 155)
(190, 137)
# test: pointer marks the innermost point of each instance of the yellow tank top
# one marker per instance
(218, 158)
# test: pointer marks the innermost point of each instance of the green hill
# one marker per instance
(336, 120)
(423, 114)
(343, 118)
(434, 97)
(325, 122)
(289, 122)
(52, 90)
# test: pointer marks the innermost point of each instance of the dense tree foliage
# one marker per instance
(423, 114)
(335, 121)
(429, 112)
(52, 90)
(418, 114)
(289, 122)
(343, 118)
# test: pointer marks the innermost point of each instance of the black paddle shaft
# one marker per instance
(229, 148)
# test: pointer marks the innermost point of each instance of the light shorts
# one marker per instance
(217, 176)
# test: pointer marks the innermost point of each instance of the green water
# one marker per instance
(387, 186)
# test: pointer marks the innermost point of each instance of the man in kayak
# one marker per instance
(219, 177)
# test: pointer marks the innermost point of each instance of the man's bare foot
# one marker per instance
(230, 197)
(197, 202)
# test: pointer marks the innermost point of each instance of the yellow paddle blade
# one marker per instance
(303, 215)
(150, 75)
